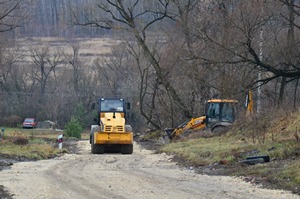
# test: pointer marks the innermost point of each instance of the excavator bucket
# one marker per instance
(169, 133)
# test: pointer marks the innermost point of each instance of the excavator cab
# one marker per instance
(220, 112)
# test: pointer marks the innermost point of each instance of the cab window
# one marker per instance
(213, 110)
(228, 112)
(111, 105)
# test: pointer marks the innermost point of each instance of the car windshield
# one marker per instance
(108, 105)
(29, 120)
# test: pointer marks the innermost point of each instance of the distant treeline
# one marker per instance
(54, 18)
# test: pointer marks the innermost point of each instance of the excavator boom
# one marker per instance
(192, 124)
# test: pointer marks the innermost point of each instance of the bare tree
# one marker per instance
(12, 14)
(82, 79)
(112, 72)
(231, 34)
(148, 88)
(45, 64)
(12, 78)
(185, 23)
(128, 16)
(8, 14)
(293, 13)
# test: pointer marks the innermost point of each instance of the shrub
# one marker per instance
(12, 121)
(73, 128)
(19, 138)
(20, 141)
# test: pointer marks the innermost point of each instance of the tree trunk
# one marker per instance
(281, 92)
(159, 71)
(295, 93)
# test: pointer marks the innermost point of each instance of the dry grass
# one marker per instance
(293, 171)
(41, 143)
(236, 145)
(35, 148)
(31, 151)
(89, 49)
(277, 140)
(204, 151)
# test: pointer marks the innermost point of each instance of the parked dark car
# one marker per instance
(29, 123)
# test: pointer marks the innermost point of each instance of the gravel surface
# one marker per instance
(143, 174)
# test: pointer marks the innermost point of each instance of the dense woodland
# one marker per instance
(174, 55)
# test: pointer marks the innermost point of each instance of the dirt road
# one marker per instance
(140, 175)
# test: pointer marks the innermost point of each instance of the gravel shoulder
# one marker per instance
(143, 174)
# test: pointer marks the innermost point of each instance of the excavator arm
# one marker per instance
(192, 124)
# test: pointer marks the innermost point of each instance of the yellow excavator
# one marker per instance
(219, 114)
(111, 132)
